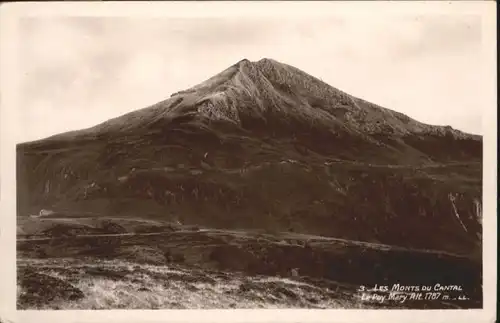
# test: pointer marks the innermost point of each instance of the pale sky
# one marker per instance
(76, 72)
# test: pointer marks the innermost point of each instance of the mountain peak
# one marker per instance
(268, 92)
(244, 61)
(260, 61)
(262, 64)
(266, 60)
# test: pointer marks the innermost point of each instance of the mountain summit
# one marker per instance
(266, 145)
(272, 87)
(271, 98)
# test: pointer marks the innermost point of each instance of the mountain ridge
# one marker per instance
(214, 99)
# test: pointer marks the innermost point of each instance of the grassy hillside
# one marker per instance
(178, 267)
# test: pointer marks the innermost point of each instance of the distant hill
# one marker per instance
(265, 145)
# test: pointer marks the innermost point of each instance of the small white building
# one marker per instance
(44, 212)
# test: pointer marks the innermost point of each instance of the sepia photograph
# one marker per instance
(198, 159)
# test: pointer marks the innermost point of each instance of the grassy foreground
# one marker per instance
(87, 263)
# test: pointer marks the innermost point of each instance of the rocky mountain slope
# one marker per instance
(265, 145)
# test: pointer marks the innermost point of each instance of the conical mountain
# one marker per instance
(266, 145)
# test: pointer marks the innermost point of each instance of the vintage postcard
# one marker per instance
(266, 161)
